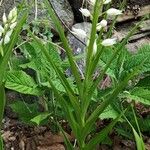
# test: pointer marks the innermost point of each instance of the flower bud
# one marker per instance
(108, 42)
(79, 32)
(85, 12)
(5, 27)
(6, 39)
(9, 33)
(106, 1)
(13, 13)
(13, 25)
(94, 48)
(1, 29)
(14, 19)
(4, 18)
(102, 24)
(113, 12)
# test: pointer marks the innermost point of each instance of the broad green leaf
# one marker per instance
(39, 118)
(109, 112)
(21, 82)
(25, 111)
(138, 94)
(144, 83)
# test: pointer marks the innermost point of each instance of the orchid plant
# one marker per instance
(76, 105)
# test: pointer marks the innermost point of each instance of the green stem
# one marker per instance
(2, 106)
(87, 81)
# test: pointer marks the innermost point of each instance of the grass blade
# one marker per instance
(102, 134)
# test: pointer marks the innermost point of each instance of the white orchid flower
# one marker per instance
(9, 33)
(6, 39)
(4, 18)
(94, 48)
(85, 12)
(13, 25)
(79, 32)
(109, 42)
(113, 12)
(107, 1)
(102, 24)
(13, 13)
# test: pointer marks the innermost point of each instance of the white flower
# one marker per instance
(14, 19)
(94, 48)
(79, 32)
(1, 29)
(109, 42)
(113, 12)
(85, 12)
(9, 33)
(106, 1)
(13, 13)
(6, 39)
(4, 18)
(13, 25)
(6, 26)
(102, 24)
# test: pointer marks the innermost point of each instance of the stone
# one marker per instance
(133, 47)
(76, 5)
(62, 9)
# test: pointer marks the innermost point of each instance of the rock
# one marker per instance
(62, 8)
(76, 4)
(133, 47)
(64, 11)
(5, 5)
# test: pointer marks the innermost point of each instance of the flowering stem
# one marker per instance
(97, 8)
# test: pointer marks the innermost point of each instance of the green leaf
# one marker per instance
(1, 142)
(139, 141)
(99, 137)
(21, 82)
(109, 112)
(25, 111)
(138, 94)
(67, 141)
(38, 119)
(144, 83)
